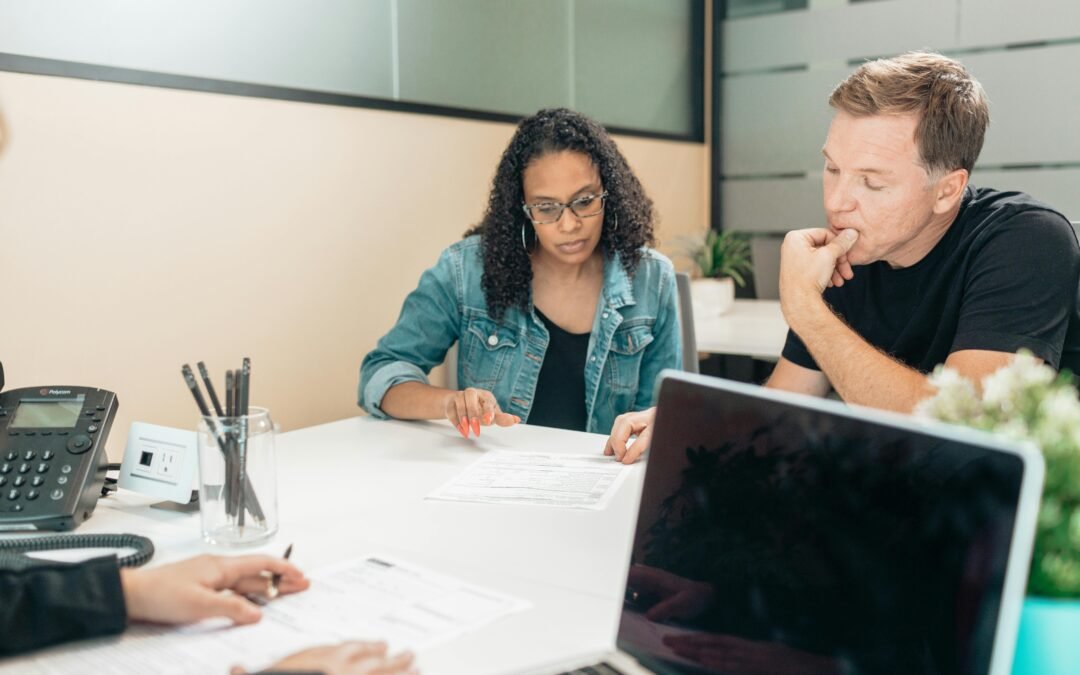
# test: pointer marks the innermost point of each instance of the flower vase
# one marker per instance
(712, 296)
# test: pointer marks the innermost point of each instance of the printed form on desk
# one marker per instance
(375, 598)
(544, 479)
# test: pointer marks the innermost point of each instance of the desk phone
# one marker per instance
(52, 455)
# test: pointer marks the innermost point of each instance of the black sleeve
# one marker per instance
(796, 352)
(795, 349)
(1022, 287)
(58, 602)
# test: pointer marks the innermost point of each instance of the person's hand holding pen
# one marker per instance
(198, 588)
(472, 408)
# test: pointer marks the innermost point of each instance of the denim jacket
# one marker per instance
(635, 335)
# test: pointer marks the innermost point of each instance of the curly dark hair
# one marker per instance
(628, 213)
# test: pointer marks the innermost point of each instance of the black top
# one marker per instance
(1004, 277)
(560, 388)
(56, 602)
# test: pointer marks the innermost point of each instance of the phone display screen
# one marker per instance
(47, 413)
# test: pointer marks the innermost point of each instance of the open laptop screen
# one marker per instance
(776, 538)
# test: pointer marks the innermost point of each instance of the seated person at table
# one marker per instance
(50, 603)
(563, 317)
(916, 266)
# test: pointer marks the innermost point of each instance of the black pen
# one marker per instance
(245, 386)
(230, 443)
(210, 388)
(241, 412)
(275, 579)
(230, 394)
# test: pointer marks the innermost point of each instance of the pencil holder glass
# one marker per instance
(237, 479)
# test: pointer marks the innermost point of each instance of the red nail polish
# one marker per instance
(476, 426)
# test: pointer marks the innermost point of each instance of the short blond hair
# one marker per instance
(951, 105)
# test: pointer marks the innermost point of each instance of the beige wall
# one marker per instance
(144, 228)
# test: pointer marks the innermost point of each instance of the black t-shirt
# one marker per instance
(559, 400)
(1004, 277)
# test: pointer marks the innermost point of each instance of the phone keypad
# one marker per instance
(32, 475)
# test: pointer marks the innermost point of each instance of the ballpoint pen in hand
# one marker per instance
(275, 579)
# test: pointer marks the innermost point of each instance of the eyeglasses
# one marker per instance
(546, 213)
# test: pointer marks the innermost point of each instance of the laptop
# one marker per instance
(779, 533)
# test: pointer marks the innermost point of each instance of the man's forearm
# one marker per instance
(860, 373)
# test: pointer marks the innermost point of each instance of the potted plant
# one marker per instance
(1028, 400)
(723, 258)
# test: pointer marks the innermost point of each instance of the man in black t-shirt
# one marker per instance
(916, 267)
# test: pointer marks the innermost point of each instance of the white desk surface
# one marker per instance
(750, 328)
(357, 486)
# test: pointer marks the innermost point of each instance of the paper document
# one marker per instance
(375, 598)
(545, 479)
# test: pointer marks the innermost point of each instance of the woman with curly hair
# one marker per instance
(563, 317)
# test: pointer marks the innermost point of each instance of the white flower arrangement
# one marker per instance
(1028, 400)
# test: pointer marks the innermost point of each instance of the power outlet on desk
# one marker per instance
(161, 462)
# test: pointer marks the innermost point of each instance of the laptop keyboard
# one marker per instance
(597, 669)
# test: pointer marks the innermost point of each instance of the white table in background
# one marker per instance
(753, 328)
(356, 487)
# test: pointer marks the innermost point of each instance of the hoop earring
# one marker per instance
(523, 245)
(615, 227)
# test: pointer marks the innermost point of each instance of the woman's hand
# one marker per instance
(627, 425)
(472, 408)
(346, 658)
(193, 589)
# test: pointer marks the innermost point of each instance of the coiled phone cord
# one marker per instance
(12, 550)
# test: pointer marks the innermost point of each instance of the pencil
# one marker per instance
(242, 412)
(210, 388)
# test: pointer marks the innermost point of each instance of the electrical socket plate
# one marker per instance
(160, 462)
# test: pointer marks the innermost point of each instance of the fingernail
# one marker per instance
(462, 429)
(849, 234)
(476, 426)
(488, 418)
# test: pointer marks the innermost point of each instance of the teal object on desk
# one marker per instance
(1049, 638)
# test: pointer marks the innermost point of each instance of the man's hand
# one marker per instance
(347, 658)
(627, 425)
(811, 261)
(472, 408)
(193, 590)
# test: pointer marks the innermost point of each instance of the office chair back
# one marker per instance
(765, 251)
(686, 323)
